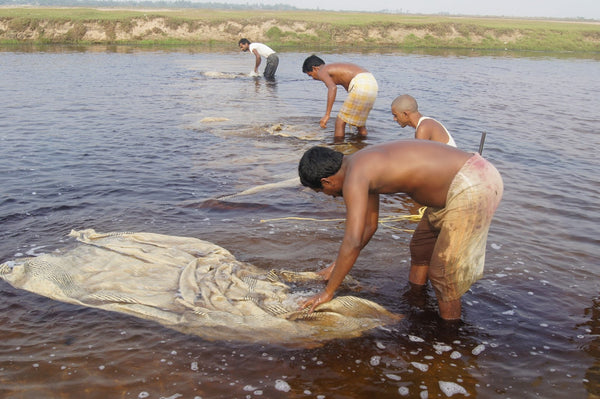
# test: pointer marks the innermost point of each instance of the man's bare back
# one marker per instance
(340, 73)
(421, 169)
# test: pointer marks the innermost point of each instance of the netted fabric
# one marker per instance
(192, 286)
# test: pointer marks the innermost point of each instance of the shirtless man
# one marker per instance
(406, 112)
(359, 83)
(461, 190)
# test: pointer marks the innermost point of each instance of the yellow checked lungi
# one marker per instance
(452, 240)
(362, 93)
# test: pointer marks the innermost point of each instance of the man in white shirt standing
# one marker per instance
(261, 50)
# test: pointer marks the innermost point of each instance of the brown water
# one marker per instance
(116, 139)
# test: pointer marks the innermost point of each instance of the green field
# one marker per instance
(294, 28)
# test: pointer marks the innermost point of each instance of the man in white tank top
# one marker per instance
(406, 113)
(261, 50)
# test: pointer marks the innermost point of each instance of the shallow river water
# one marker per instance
(126, 139)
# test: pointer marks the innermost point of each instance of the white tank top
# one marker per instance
(450, 140)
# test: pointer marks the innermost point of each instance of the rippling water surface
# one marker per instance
(138, 140)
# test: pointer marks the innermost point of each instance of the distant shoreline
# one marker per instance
(45, 25)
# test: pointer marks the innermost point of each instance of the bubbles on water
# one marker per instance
(403, 391)
(414, 338)
(283, 386)
(375, 360)
(478, 349)
(143, 395)
(420, 366)
(33, 251)
(441, 348)
(451, 388)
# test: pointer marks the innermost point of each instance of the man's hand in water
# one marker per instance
(313, 302)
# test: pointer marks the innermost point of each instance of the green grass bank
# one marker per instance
(293, 29)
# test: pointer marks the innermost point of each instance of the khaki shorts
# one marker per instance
(362, 93)
(452, 240)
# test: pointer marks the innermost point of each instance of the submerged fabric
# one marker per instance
(192, 286)
(452, 240)
(362, 93)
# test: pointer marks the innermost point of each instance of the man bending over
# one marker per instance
(461, 191)
(359, 83)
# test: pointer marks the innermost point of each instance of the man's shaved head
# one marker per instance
(405, 103)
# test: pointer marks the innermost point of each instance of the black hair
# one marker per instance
(243, 41)
(318, 163)
(311, 62)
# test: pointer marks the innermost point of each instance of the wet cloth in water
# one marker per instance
(452, 240)
(192, 286)
(362, 93)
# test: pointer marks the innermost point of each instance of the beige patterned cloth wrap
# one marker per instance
(192, 286)
(362, 93)
(459, 254)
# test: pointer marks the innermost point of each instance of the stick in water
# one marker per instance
(481, 143)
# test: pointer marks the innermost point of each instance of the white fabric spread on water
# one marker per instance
(192, 286)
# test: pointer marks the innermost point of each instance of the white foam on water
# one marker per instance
(455, 355)
(414, 338)
(212, 119)
(451, 388)
(283, 386)
(143, 395)
(32, 251)
(375, 360)
(403, 391)
(421, 366)
(194, 366)
(393, 377)
(442, 347)
(478, 349)
(221, 75)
